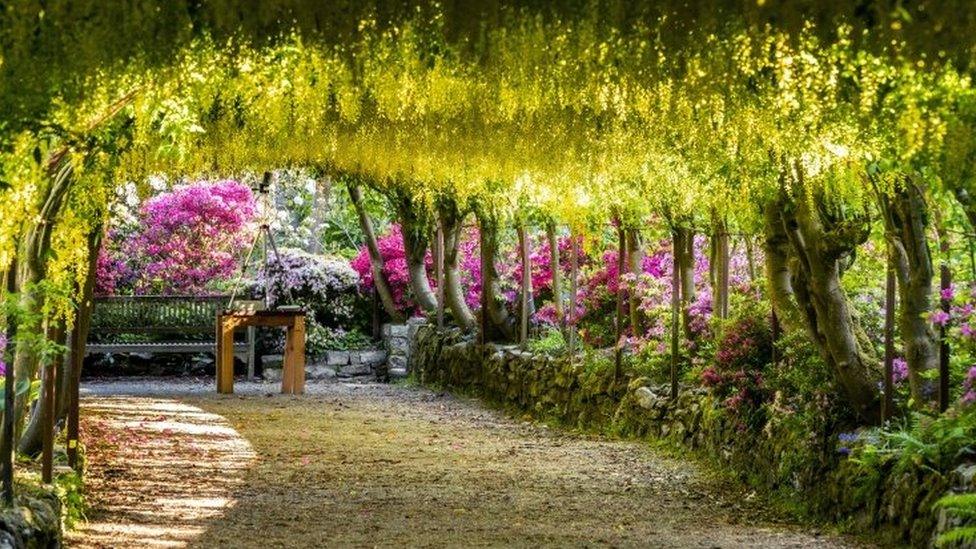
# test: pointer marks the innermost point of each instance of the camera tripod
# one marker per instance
(263, 236)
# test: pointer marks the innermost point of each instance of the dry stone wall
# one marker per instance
(900, 507)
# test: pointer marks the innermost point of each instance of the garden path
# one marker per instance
(172, 464)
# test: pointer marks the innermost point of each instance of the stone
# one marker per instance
(373, 358)
(397, 363)
(397, 330)
(272, 361)
(319, 371)
(337, 358)
(272, 374)
(353, 370)
(645, 398)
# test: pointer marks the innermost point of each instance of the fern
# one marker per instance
(957, 536)
(962, 506)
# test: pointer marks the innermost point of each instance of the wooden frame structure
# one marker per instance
(293, 371)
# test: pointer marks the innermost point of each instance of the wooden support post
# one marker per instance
(251, 358)
(74, 381)
(945, 283)
(526, 285)
(557, 275)
(675, 312)
(723, 273)
(439, 247)
(573, 291)
(619, 324)
(887, 405)
(7, 440)
(47, 422)
(486, 283)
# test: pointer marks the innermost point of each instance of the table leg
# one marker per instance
(288, 364)
(225, 362)
(298, 335)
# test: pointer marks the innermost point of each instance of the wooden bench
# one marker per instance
(161, 324)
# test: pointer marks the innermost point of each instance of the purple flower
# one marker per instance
(948, 293)
(899, 370)
(940, 318)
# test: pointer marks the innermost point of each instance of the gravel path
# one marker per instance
(172, 464)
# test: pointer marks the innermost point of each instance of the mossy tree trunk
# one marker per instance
(34, 252)
(906, 226)
(822, 240)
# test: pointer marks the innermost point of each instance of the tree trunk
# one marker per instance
(82, 327)
(557, 274)
(453, 289)
(573, 293)
(720, 268)
(34, 251)
(525, 293)
(906, 225)
(778, 278)
(416, 242)
(375, 258)
(497, 321)
(319, 212)
(33, 437)
(820, 247)
(677, 242)
(635, 259)
(684, 241)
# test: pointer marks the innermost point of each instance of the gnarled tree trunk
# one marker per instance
(820, 246)
(375, 258)
(453, 222)
(32, 268)
(496, 320)
(906, 226)
(416, 242)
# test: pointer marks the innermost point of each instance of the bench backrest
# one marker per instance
(156, 314)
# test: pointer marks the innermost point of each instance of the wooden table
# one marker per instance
(293, 370)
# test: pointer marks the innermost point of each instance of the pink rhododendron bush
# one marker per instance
(185, 241)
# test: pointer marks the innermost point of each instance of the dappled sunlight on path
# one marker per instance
(377, 465)
(159, 471)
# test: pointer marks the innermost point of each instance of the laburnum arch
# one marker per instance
(568, 118)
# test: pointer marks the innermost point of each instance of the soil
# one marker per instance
(171, 464)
